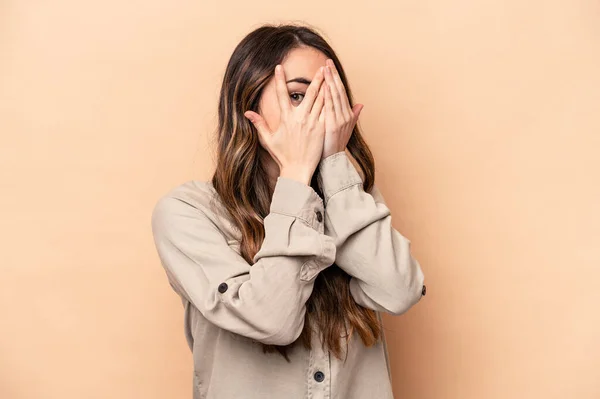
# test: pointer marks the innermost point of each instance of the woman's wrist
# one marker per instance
(296, 174)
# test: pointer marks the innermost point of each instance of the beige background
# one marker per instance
(484, 120)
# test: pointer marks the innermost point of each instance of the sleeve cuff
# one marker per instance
(294, 198)
(336, 172)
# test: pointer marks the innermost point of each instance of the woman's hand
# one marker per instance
(297, 143)
(340, 118)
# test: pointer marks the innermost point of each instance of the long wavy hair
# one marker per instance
(242, 182)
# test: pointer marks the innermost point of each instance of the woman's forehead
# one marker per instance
(303, 62)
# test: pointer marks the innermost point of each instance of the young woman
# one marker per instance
(285, 259)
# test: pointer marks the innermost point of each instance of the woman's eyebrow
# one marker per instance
(299, 80)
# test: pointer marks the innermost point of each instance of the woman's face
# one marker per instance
(301, 64)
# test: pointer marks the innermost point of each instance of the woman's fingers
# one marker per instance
(356, 110)
(312, 92)
(264, 134)
(318, 104)
(285, 105)
(344, 102)
(335, 96)
(329, 107)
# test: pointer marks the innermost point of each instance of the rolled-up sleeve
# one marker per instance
(385, 275)
(264, 301)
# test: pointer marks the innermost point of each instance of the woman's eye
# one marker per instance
(294, 96)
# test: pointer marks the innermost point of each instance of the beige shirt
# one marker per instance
(231, 307)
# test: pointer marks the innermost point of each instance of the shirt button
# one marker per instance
(423, 290)
(222, 287)
(319, 216)
(319, 376)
